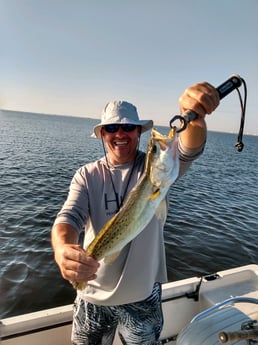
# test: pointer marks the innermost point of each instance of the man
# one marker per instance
(125, 295)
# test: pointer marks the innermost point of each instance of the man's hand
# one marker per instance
(72, 260)
(202, 98)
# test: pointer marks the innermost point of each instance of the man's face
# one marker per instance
(121, 145)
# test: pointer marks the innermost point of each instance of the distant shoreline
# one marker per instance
(94, 118)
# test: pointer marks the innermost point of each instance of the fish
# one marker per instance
(145, 200)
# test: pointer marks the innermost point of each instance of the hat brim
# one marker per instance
(145, 124)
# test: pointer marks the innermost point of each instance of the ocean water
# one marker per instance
(213, 215)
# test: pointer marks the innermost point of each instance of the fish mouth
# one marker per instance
(163, 145)
(165, 138)
(163, 141)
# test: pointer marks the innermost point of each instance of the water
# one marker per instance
(212, 223)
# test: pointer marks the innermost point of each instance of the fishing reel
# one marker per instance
(233, 83)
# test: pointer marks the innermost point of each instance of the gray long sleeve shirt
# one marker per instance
(91, 202)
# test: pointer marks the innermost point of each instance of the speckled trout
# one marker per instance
(144, 201)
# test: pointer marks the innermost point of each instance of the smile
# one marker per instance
(120, 143)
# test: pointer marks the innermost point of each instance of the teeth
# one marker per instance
(121, 142)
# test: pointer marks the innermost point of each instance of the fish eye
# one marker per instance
(154, 148)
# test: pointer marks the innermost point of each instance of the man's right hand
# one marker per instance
(72, 260)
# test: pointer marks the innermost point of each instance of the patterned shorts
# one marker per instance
(137, 323)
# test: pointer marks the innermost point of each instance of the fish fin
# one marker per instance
(79, 285)
(110, 259)
(155, 194)
(161, 212)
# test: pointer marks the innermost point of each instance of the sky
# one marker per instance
(71, 57)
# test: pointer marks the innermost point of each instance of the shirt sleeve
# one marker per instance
(187, 156)
(75, 209)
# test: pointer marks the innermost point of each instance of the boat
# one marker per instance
(212, 309)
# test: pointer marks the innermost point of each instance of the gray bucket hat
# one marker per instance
(120, 112)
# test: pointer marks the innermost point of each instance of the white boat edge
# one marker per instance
(182, 300)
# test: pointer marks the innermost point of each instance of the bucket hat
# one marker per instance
(120, 112)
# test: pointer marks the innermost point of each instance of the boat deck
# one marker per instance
(181, 303)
